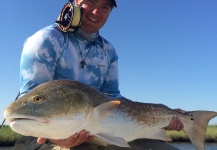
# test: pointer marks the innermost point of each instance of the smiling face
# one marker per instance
(94, 14)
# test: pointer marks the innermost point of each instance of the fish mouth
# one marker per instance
(17, 118)
(29, 119)
(24, 119)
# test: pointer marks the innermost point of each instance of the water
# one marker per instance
(189, 146)
(181, 146)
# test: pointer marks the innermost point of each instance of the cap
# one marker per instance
(114, 3)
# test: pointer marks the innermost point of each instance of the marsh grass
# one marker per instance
(211, 135)
(9, 137)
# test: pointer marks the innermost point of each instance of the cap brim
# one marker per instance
(114, 3)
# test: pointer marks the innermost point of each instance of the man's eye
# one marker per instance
(106, 8)
(90, 1)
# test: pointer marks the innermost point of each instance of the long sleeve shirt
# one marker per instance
(51, 54)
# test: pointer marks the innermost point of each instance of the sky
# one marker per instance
(167, 48)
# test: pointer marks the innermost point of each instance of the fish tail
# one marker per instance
(197, 130)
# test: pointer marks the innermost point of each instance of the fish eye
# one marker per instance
(37, 99)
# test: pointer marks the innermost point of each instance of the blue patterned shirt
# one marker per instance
(51, 54)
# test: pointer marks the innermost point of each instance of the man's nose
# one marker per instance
(96, 11)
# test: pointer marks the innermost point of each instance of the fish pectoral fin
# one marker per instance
(103, 110)
(104, 139)
(160, 134)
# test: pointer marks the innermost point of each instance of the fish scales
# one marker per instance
(57, 109)
(141, 111)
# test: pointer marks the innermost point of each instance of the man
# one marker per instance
(82, 55)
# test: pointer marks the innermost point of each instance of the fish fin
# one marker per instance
(103, 110)
(104, 140)
(197, 130)
(160, 134)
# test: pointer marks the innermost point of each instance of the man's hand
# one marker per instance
(176, 123)
(72, 141)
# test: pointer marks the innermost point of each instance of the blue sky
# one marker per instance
(167, 48)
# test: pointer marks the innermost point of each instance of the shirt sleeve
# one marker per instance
(38, 60)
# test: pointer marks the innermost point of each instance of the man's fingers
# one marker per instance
(175, 124)
(72, 141)
(41, 140)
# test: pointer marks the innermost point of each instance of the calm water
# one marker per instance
(189, 146)
(181, 146)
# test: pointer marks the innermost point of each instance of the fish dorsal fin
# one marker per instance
(104, 109)
(104, 140)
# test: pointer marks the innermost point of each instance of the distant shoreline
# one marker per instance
(9, 137)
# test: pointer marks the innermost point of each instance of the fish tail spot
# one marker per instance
(192, 117)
